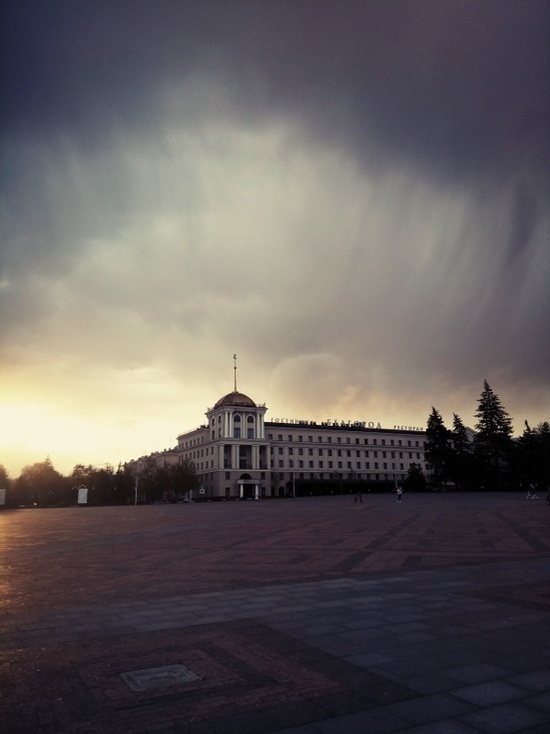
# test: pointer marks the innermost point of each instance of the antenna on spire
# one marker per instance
(235, 373)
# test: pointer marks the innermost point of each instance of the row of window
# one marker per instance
(410, 455)
(328, 439)
(238, 433)
(289, 476)
(348, 452)
(340, 465)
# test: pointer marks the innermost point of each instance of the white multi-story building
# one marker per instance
(239, 455)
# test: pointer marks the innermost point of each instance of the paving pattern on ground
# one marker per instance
(268, 616)
(245, 674)
(55, 557)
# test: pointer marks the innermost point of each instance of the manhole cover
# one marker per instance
(166, 675)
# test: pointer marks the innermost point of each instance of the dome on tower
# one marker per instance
(236, 399)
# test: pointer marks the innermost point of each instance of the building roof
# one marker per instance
(235, 399)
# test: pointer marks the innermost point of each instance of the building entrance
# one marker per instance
(248, 488)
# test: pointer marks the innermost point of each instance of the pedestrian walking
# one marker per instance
(399, 492)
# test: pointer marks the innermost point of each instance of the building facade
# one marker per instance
(239, 455)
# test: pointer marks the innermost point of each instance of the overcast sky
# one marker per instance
(351, 195)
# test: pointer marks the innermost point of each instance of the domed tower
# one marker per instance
(236, 416)
(236, 427)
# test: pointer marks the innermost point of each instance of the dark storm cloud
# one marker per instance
(455, 86)
(352, 190)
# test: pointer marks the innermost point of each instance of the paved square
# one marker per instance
(307, 615)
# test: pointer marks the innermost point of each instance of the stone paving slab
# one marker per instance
(313, 644)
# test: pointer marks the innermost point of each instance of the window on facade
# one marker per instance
(290, 437)
(281, 464)
(300, 439)
(250, 433)
(236, 432)
(385, 465)
(237, 419)
(310, 452)
(280, 437)
(320, 465)
(290, 451)
(311, 465)
(320, 452)
(329, 439)
(310, 439)
(301, 464)
(291, 463)
(330, 465)
(383, 442)
(301, 452)
(375, 442)
(280, 450)
(392, 442)
(348, 440)
(339, 465)
(338, 439)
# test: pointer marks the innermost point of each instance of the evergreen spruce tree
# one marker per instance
(438, 449)
(534, 456)
(461, 463)
(493, 438)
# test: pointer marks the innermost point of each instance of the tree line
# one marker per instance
(40, 485)
(491, 459)
(488, 458)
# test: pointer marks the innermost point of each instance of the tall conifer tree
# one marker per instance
(438, 448)
(493, 438)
